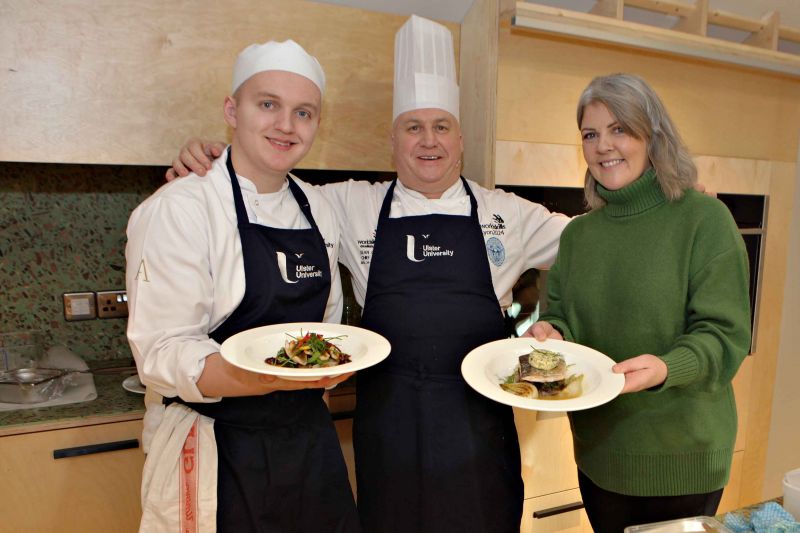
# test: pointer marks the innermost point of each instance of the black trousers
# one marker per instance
(611, 512)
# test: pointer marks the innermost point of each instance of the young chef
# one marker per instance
(209, 257)
(434, 258)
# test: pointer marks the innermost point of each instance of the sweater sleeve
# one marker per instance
(555, 311)
(717, 335)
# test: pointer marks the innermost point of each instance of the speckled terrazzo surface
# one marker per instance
(62, 229)
(111, 400)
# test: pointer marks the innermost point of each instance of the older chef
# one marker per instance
(434, 258)
(234, 450)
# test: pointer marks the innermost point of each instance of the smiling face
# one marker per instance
(615, 157)
(426, 149)
(275, 116)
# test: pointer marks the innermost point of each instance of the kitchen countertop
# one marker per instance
(113, 404)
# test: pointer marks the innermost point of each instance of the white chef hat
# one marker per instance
(288, 56)
(424, 68)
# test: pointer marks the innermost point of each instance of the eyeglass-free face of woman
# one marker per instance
(614, 156)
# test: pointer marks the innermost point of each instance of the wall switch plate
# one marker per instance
(112, 304)
(79, 306)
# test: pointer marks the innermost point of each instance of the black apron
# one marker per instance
(431, 454)
(280, 464)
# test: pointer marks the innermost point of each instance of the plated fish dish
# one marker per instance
(543, 374)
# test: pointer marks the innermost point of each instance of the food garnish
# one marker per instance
(311, 350)
(542, 374)
(522, 388)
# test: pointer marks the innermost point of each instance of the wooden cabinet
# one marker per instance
(97, 491)
(549, 473)
(545, 442)
(554, 512)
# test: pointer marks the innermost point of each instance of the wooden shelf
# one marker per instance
(687, 39)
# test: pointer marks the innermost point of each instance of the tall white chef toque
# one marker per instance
(287, 56)
(424, 68)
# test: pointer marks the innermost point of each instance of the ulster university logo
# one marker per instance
(300, 271)
(428, 249)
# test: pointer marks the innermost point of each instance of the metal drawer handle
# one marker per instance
(552, 511)
(96, 448)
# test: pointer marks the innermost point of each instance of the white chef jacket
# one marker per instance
(185, 274)
(519, 234)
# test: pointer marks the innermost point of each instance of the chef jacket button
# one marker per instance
(255, 202)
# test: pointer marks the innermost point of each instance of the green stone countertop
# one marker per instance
(113, 404)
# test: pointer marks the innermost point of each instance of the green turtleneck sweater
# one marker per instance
(646, 275)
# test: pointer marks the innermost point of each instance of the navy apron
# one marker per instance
(281, 468)
(431, 454)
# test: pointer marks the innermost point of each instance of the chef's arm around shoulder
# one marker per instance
(195, 156)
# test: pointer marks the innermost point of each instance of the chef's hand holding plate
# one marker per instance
(641, 372)
(220, 378)
(542, 331)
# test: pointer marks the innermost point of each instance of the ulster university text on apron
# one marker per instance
(431, 454)
(280, 464)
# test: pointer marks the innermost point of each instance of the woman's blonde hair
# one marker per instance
(641, 114)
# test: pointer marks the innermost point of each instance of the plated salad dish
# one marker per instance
(311, 350)
(305, 351)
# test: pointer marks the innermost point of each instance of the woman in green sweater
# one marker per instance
(656, 277)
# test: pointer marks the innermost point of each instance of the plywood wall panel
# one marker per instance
(478, 95)
(782, 186)
(720, 110)
(551, 165)
(100, 81)
(734, 175)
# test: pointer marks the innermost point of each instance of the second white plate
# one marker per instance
(132, 384)
(249, 348)
(485, 367)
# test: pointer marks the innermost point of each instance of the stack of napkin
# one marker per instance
(768, 518)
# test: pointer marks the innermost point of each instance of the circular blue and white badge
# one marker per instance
(496, 251)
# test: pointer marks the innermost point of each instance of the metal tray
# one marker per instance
(684, 525)
(32, 385)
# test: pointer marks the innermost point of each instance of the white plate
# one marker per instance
(132, 384)
(485, 367)
(249, 348)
